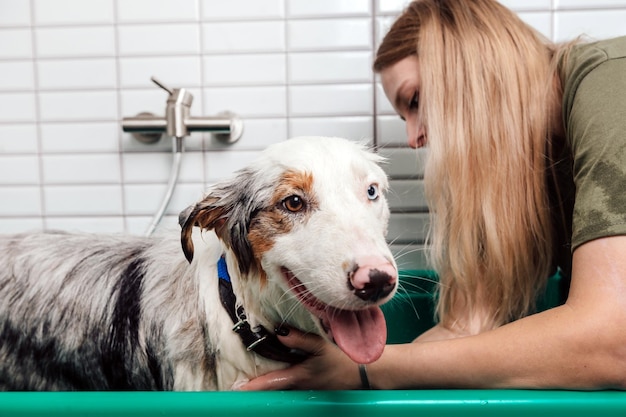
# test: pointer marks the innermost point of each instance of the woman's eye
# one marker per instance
(293, 203)
(414, 102)
(372, 192)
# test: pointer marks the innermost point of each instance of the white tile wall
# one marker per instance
(242, 9)
(76, 74)
(16, 43)
(161, 39)
(77, 105)
(14, 13)
(23, 75)
(586, 4)
(269, 69)
(520, 5)
(134, 11)
(74, 41)
(17, 107)
(19, 169)
(307, 8)
(328, 67)
(20, 202)
(71, 69)
(77, 137)
(177, 70)
(329, 34)
(81, 169)
(593, 23)
(18, 138)
(240, 37)
(72, 12)
(332, 99)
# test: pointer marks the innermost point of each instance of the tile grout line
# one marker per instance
(205, 138)
(118, 96)
(36, 96)
(374, 14)
(286, 18)
(553, 6)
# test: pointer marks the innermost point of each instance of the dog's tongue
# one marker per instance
(360, 334)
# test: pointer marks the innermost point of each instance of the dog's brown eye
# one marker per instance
(293, 203)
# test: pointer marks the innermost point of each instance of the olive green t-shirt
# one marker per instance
(594, 112)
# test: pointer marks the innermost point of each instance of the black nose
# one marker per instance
(380, 285)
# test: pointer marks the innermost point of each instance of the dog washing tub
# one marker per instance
(416, 299)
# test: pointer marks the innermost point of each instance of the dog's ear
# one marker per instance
(184, 215)
(228, 209)
(207, 214)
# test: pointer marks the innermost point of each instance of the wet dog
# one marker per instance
(295, 238)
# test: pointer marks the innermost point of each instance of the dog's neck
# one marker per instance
(257, 339)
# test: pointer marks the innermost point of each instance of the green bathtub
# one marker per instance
(409, 314)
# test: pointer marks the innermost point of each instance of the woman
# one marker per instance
(526, 173)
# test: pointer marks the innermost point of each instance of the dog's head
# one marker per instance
(310, 217)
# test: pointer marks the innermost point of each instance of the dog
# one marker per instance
(296, 238)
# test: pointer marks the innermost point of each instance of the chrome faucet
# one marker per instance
(177, 123)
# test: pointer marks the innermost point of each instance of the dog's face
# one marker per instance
(310, 217)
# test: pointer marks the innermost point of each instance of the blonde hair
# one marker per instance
(486, 101)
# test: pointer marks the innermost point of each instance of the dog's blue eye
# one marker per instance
(372, 192)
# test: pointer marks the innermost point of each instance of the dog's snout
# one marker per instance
(372, 283)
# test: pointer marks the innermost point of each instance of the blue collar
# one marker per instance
(222, 269)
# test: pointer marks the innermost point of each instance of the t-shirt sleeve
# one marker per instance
(597, 133)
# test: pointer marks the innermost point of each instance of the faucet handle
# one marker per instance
(176, 110)
(160, 84)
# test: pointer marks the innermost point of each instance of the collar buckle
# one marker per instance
(240, 324)
(256, 343)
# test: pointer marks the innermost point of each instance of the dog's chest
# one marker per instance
(232, 362)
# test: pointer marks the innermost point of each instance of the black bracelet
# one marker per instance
(365, 381)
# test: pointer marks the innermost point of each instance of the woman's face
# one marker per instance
(401, 82)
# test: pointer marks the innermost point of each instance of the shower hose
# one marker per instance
(177, 152)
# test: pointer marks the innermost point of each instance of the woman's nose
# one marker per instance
(415, 135)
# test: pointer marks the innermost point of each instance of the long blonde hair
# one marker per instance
(486, 102)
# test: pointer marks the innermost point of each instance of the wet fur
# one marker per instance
(113, 312)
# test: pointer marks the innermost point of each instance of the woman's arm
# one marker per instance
(579, 345)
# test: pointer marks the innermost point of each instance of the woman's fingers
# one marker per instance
(326, 368)
(274, 381)
(286, 378)
(296, 339)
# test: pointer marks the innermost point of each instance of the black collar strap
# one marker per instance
(258, 339)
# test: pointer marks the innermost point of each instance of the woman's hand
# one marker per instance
(328, 368)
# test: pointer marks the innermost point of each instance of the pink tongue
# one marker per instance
(360, 334)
